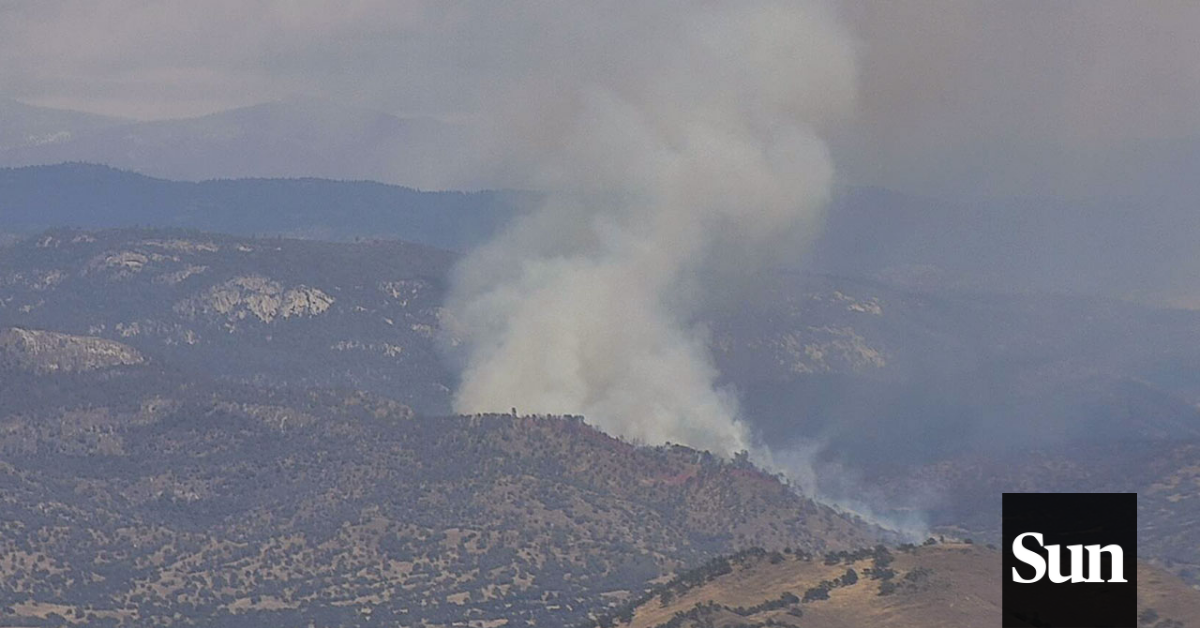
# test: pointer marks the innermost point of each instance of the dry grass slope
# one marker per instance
(136, 496)
(949, 585)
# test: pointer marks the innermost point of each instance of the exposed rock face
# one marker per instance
(173, 278)
(120, 264)
(829, 349)
(404, 290)
(257, 296)
(48, 352)
(183, 246)
(279, 311)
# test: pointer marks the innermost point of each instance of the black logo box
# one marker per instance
(1066, 519)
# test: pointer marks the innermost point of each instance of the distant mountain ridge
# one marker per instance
(24, 126)
(291, 138)
(1095, 248)
(93, 196)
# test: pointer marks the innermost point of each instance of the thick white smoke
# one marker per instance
(671, 139)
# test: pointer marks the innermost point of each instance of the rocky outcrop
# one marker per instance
(50, 352)
(829, 349)
(258, 297)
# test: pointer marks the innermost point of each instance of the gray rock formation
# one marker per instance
(49, 352)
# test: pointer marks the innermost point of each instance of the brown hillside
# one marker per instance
(950, 585)
(132, 496)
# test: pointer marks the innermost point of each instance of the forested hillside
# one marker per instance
(132, 495)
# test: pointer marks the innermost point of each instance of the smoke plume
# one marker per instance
(676, 143)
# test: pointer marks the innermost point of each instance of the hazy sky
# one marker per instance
(997, 96)
(1023, 86)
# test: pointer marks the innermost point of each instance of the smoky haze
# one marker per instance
(1008, 146)
(663, 133)
(1018, 98)
(1064, 119)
